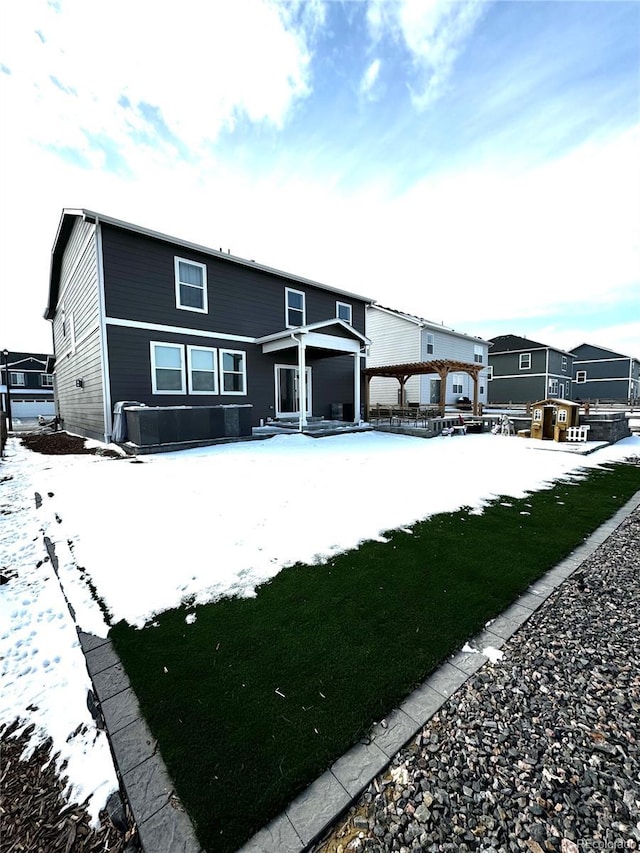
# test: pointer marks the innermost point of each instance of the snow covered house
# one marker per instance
(400, 338)
(138, 315)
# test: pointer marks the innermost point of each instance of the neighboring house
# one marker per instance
(399, 338)
(522, 370)
(602, 374)
(30, 385)
(142, 316)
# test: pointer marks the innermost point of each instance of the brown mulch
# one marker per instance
(35, 817)
(61, 444)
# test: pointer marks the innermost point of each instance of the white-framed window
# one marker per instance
(431, 343)
(295, 314)
(562, 416)
(457, 385)
(168, 375)
(477, 353)
(46, 380)
(581, 375)
(202, 370)
(489, 373)
(537, 415)
(17, 379)
(564, 363)
(553, 387)
(233, 371)
(344, 312)
(525, 361)
(191, 285)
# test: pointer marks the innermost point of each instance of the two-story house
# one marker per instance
(523, 371)
(30, 385)
(603, 374)
(142, 316)
(400, 338)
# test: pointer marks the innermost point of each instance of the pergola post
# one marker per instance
(443, 372)
(356, 388)
(367, 397)
(474, 376)
(302, 385)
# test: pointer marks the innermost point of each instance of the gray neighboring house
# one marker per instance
(603, 374)
(400, 338)
(30, 385)
(138, 315)
(524, 371)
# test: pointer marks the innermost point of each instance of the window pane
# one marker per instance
(168, 380)
(296, 300)
(191, 297)
(232, 361)
(233, 382)
(203, 381)
(168, 357)
(202, 359)
(190, 274)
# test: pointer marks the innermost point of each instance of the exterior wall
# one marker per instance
(130, 374)
(77, 345)
(394, 340)
(29, 398)
(241, 300)
(511, 384)
(610, 376)
(455, 348)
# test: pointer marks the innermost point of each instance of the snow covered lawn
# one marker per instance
(202, 524)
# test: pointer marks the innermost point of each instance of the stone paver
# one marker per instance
(317, 807)
(355, 769)
(120, 710)
(277, 837)
(132, 745)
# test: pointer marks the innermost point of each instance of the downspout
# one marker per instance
(302, 386)
(104, 348)
(546, 377)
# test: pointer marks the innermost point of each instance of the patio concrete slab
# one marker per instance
(312, 811)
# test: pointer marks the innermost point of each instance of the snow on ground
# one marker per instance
(202, 524)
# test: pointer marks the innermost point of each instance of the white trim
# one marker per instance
(624, 379)
(489, 373)
(308, 376)
(46, 384)
(104, 346)
(17, 383)
(518, 375)
(183, 378)
(579, 381)
(214, 352)
(176, 267)
(178, 330)
(288, 308)
(520, 365)
(348, 305)
(595, 360)
(221, 355)
(321, 324)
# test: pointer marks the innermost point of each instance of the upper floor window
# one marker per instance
(191, 285)
(46, 380)
(581, 375)
(477, 354)
(295, 310)
(490, 373)
(233, 371)
(17, 379)
(525, 360)
(203, 372)
(431, 342)
(344, 312)
(167, 368)
(553, 387)
(564, 362)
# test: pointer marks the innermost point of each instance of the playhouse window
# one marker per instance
(562, 416)
(537, 414)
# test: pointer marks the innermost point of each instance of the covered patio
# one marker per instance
(441, 367)
(318, 340)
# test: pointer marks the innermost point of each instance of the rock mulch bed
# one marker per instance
(539, 751)
(36, 817)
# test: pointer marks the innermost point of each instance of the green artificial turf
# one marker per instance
(344, 642)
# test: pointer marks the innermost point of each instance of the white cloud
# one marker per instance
(433, 31)
(202, 66)
(369, 78)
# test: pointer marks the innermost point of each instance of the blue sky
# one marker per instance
(474, 163)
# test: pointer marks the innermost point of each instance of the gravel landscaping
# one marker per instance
(539, 750)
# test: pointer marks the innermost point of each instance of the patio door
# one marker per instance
(287, 391)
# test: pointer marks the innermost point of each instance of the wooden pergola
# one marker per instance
(443, 367)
